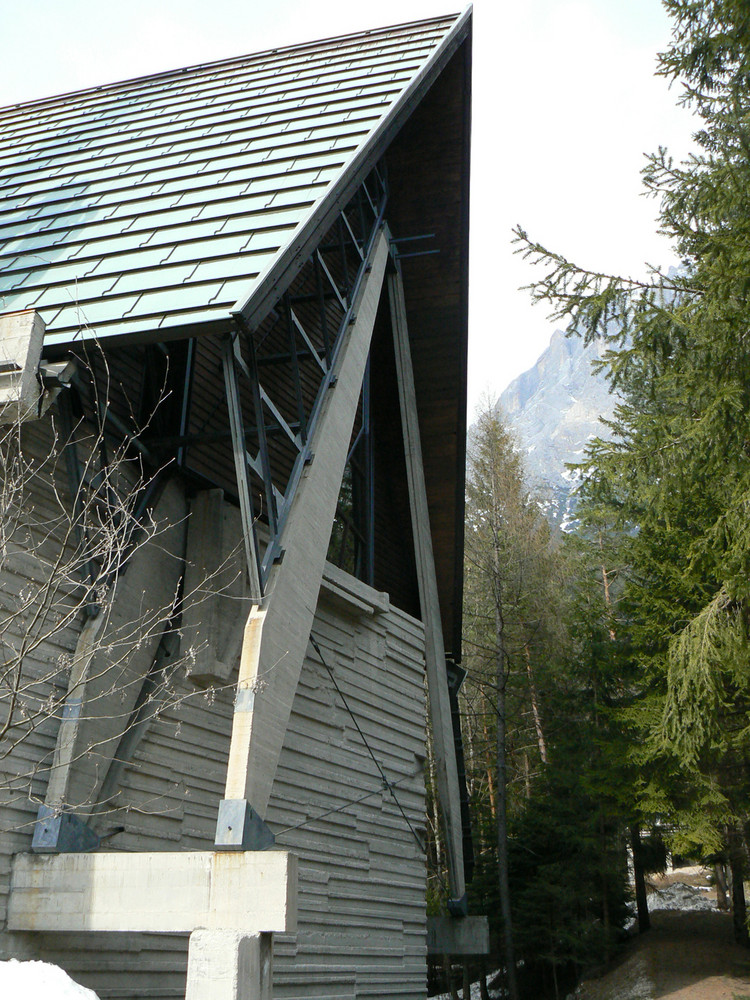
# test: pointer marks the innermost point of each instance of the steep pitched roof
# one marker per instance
(160, 206)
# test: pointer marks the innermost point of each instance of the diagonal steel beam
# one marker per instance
(234, 407)
(311, 347)
(324, 267)
(355, 241)
(277, 631)
(295, 439)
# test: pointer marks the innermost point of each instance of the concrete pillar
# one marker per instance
(276, 634)
(229, 965)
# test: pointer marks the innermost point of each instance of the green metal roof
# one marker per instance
(157, 205)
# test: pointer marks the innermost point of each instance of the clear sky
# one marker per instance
(565, 105)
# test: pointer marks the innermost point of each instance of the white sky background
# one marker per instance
(565, 105)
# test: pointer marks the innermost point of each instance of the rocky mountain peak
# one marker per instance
(554, 409)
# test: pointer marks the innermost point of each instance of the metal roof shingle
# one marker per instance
(159, 202)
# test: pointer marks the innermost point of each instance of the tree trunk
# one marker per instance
(606, 921)
(484, 993)
(605, 582)
(739, 907)
(469, 746)
(722, 895)
(502, 818)
(448, 971)
(526, 775)
(607, 599)
(739, 910)
(535, 707)
(644, 921)
(490, 778)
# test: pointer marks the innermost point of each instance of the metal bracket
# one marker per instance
(240, 828)
(458, 907)
(57, 832)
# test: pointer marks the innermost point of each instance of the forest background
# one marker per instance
(606, 707)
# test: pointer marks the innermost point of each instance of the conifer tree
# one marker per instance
(676, 475)
(524, 727)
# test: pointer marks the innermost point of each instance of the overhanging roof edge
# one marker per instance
(254, 307)
(58, 344)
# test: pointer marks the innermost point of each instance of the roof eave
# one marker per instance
(253, 309)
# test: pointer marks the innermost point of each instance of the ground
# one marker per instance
(685, 956)
(689, 953)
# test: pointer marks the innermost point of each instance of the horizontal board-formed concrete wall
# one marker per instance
(362, 872)
(26, 748)
(361, 929)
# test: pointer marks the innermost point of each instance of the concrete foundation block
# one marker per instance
(458, 936)
(21, 340)
(161, 892)
(229, 965)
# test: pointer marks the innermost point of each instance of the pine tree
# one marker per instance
(676, 476)
(541, 745)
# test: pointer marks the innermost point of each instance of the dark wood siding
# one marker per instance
(428, 169)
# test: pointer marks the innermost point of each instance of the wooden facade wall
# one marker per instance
(362, 872)
(433, 146)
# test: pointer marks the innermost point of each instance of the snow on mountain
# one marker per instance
(554, 409)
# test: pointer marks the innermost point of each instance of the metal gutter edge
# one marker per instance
(281, 274)
(461, 430)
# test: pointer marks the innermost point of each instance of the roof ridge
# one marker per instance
(179, 71)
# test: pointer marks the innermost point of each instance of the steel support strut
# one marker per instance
(435, 664)
(239, 449)
(331, 293)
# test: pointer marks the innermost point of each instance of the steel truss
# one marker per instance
(274, 377)
(284, 367)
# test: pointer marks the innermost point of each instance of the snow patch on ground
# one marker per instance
(677, 896)
(680, 896)
(475, 992)
(637, 984)
(39, 981)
